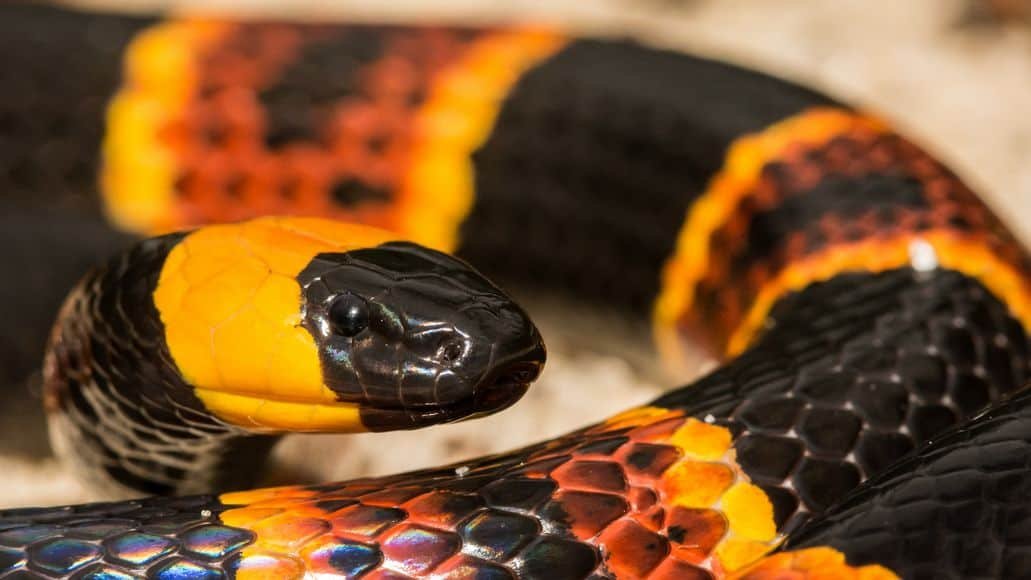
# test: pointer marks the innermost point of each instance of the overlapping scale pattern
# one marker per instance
(649, 493)
(700, 485)
(151, 435)
(853, 374)
(959, 509)
(166, 539)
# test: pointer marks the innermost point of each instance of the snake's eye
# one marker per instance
(348, 314)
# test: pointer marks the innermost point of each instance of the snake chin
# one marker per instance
(504, 388)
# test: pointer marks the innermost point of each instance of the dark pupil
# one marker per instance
(349, 315)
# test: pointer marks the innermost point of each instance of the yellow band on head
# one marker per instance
(231, 306)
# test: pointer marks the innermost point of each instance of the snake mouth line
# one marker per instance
(497, 391)
(494, 393)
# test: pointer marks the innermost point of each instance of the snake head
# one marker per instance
(415, 336)
(302, 324)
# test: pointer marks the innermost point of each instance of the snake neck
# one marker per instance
(119, 412)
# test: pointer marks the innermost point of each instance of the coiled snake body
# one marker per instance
(869, 307)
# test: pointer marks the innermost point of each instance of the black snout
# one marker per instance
(416, 337)
(518, 365)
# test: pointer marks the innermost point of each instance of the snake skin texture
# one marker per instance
(958, 509)
(114, 381)
(831, 396)
(168, 538)
(569, 148)
(636, 496)
(863, 299)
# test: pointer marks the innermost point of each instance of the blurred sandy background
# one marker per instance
(947, 74)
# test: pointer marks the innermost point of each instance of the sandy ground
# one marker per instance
(963, 91)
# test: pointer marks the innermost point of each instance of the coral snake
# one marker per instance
(871, 312)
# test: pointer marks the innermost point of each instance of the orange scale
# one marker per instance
(176, 134)
(287, 532)
(642, 498)
(882, 158)
(672, 569)
(269, 567)
(442, 509)
(689, 555)
(397, 149)
(795, 244)
(357, 116)
(238, 107)
(204, 199)
(660, 431)
(190, 158)
(761, 275)
(232, 211)
(236, 70)
(215, 167)
(312, 200)
(304, 159)
(1011, 254)
(246, 517)
(315, 171)
(364, 522)
(591, 475)
(697, 483)
(588, 513)
(356, 162)
(924, 167)
(629, 419)
(342, 147)
(255, 203)
(632, 551)
(260, 196)
(317, 183)
(654, 518)
(383, 172)
(807, 177)
(280, 502)
(391, 76)
(266, 173)
(280, 40)
(698, 530)
(243, 144)
(394, 114)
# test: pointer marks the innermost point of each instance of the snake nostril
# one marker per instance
(451, 351)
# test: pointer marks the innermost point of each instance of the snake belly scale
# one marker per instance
(867, 306)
